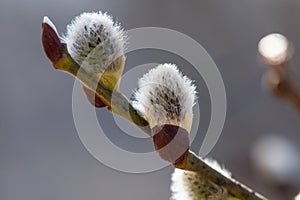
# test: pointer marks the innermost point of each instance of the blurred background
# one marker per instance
(41, 156)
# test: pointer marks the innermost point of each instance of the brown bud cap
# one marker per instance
(171, 142)
(51, 42)
(93, 98)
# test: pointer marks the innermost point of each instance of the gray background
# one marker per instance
(41, 156)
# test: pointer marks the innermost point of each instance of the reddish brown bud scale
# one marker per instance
(93, 98)
(51, 43)
(171, 142)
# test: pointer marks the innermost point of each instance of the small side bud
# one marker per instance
(93, 98)
(51, 42)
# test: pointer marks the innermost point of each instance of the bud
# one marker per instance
(97, 44)
(166, 97)
(171, 142)
(51, 42)
(190, 185)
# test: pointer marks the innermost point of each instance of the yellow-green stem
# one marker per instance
(234, 188)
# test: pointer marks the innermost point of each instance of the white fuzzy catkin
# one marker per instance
(94, 41)
(166, 96)
(297, 197)
(187, 185)
(215, 165)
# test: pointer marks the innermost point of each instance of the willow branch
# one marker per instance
(119, 105)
